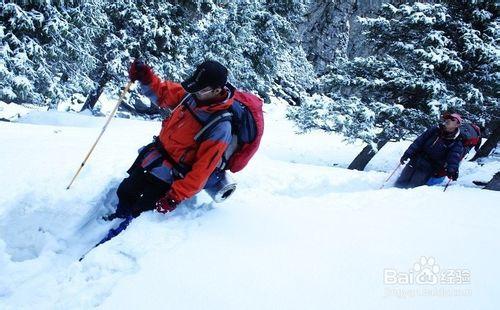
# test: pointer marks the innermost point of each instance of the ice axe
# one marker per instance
(122, 95)
(397, 167)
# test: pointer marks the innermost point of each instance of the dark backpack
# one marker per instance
(471, 136)
(247, 126)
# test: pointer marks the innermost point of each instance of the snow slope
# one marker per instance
(301, 232)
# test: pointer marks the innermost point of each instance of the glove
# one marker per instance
(452, 174)
(404, 158)
(141, 72)
(166, 204)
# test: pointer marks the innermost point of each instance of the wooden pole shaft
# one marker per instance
(124, 92)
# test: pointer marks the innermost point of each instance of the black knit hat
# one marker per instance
(209, 73)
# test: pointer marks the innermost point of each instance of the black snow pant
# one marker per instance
(416, 173)
(139, 192)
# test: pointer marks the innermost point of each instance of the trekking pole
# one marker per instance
(449, 181)
(122, 95)
(397, 167)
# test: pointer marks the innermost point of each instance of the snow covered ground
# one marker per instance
(301, 231)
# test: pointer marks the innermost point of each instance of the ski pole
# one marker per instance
(122, 95)
(449, 181)
(397, 167)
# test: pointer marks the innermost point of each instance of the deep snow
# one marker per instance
(301, 231)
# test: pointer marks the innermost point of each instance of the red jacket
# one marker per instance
(178, 131)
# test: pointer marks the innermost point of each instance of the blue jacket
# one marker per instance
(441, 151)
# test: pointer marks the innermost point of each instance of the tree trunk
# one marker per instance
(363, 158)
(494, 183)
(490, 143)
(94, 96)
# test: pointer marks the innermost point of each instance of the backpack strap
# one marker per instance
(141, 155)
(214, 121)
(230, 150)
(185, 104)
(181, 170)
(211, 123)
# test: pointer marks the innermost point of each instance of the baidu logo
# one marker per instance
(426, 271)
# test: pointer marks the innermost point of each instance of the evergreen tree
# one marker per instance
(475, 28)
(259, 42)
(47, 50)
(26, 75)
(51, 51)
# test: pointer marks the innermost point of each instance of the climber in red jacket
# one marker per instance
(176, 166)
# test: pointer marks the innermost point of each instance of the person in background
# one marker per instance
(434, 154)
